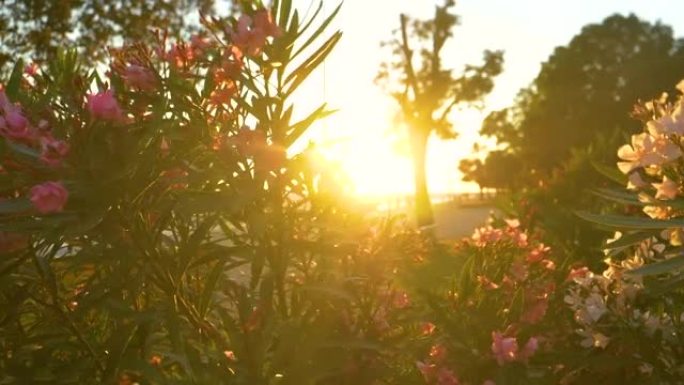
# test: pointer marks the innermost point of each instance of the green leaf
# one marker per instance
(12, 89)
(284, 13)
(311, 19)
(619, 196)
(611, 172)
(329, 292)
(318, 31)
(667, 266)
(117, 346)
(655, 290)
(210, 285)
(629, 239)
(628, 222)
(23, 150)
(304, 70)
(300, 127)
(12, 206)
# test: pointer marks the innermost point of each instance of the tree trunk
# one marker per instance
(423, 207)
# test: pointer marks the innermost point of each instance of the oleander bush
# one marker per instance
(160, 223)
(155, 229)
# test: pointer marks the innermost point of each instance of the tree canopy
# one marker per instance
(37, 29)
(586, 88)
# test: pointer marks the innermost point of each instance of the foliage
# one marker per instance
(567, 122)
(427, 92)
(154, 230)
(486, 305)
(37, 29)
(587, 88)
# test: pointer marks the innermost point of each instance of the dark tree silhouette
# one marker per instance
(586, 88)
(574, 116)
(427, 92)
(37, 29)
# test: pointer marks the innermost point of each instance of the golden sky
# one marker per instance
(527, 30)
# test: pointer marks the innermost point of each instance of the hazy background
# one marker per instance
(527, 30)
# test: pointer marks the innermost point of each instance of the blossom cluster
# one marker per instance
(653, 158)
(17, 130)
(606, 311)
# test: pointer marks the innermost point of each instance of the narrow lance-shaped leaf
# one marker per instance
(318, 31)
(304, 70)
(667, 266)
(300, 127)
(12, 89)
(627, 222)
(629, 239)
(611, 172)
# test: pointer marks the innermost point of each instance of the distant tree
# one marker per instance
(427, 92)
(493, 172)
(573, 116)
(36, 29)
(586, 88)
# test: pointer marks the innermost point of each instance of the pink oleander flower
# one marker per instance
(668, 124)
(31, 69)
(636, 181)
(15, 125)
(223, 95)
(667, 189)
(513, 223)
(270, 158)
(427, 328)
(535, 313)
(230, 355)
(104, 106)
(12, 132)
(176, 177)
(548, 264)
(519, 270)
(646, 150)
(179, 55)
(426, 369)
(401, 300)
(49, 197)
(504, 349)
(530, 348)
(251, 40)
(446, 377)
(263, 20)
(199, 43)
(139, 77)
(667, 150)
(16, 120)
(251, 35)
(538, 253)
(486, 283)
(53, 151)
(438, 352)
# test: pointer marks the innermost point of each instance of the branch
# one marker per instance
(412, 82)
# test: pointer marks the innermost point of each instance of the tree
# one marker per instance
(36, 29)
(493, 172)
(572, 117)
(427, 92)
(587, 88)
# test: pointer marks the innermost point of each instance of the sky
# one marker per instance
(526, 30)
